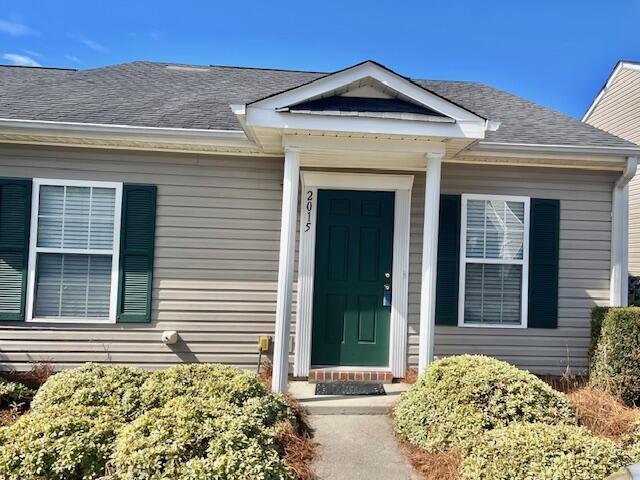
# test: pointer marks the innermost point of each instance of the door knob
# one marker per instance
(387, 286)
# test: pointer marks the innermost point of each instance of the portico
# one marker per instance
(364, 129)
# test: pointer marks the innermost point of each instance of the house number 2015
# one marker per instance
(309, 208)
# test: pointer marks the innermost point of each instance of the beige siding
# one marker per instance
(215, 268)
(618, 112)
(216, 261)
(585, 205)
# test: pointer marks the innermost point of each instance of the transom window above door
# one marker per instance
(73, 256)
(494, 261)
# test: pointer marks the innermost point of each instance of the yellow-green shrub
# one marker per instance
(616, 364)
(465, 395)
(524, 451)
(11, 392)
(200, 439)
(201, 380)
(92, 384)
(69, 442)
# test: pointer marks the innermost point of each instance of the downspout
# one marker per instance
(618, 290)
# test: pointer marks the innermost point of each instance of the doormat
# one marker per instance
(349, 388)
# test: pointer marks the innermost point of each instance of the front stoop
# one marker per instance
(314, 404)
(329, 375)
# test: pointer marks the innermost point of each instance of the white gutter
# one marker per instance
(126, 133)
(618, 287)
(534, 148)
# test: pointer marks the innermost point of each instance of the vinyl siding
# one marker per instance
(618, 112)
(215, 269)
(585, 223)
(217, 249)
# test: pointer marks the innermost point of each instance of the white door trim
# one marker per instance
(310, 183)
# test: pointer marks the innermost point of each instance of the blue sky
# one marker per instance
(557, 53)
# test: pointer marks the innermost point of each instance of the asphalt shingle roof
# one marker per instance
(184, 96)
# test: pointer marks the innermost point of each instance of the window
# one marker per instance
(494, 261)
(73, 254)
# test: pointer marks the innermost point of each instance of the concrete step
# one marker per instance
(314, 404)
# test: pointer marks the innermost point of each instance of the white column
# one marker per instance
(429, 260)
(619, 296)
(285, 270)
(619, 247)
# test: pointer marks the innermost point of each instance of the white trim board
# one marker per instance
(34, 250)
(524, 262)
(311, 183)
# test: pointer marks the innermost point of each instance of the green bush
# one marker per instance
(11, 392)
(94, 385)
(597, 317)
(524, 451)
(58, 443)
(616, 363)
(201, 380)
(462, 396)
(200, 439)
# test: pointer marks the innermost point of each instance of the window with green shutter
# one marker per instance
(136, 253)
(73, 252)
(15, 208)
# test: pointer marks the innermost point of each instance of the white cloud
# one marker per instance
(23, 60)
(32, 53)
(16, 29)
(155, 35)
(94, 45)
(72, 58)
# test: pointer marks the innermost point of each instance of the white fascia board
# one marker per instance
(343, 78)
(226, 138)
(533, 149)
(351, 144)
(620, 66)
(259, 117)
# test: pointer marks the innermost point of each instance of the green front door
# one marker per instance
(354, 251)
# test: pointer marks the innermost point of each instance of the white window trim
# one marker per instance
(34, 250)
(524, 262)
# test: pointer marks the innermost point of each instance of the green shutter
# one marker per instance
(15, 216)
(448, 275)
(544, 248)
(136, 253)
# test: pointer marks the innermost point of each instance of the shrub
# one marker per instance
(201, 438)
(201, 380)
(616, 364)
(468, 394)
(58, 443)
(523, 451)
(94, 385)
(597, 317)
(12, 392)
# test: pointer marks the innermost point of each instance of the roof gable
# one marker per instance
(378, 78)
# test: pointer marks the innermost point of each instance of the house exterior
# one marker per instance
(366, 221)
(616, 109)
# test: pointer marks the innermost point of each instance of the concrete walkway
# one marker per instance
(314, 404)
(356, 447)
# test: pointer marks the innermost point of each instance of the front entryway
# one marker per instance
(352, 279)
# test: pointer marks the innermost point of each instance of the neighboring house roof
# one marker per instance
(616, 109)
(196, 97)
